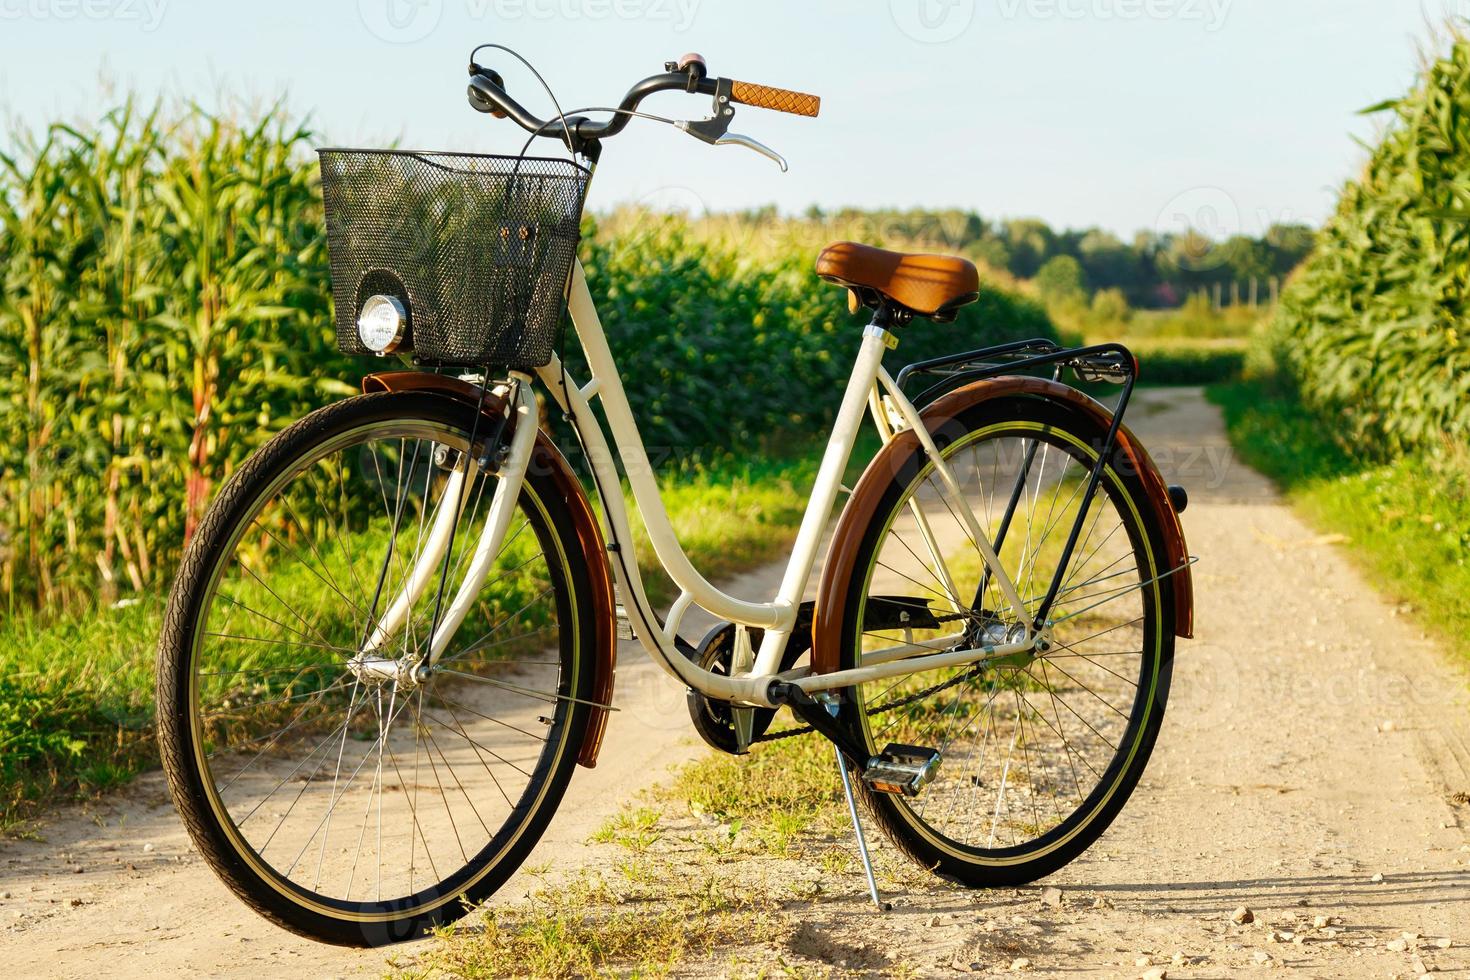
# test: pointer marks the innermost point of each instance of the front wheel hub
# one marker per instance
(376, 671)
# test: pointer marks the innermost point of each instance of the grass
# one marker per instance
(76, 708)
(782, 796)
(663, 898)
(641, 925)
(1407, 521)
(700, 871)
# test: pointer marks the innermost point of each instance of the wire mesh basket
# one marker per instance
(473, 251)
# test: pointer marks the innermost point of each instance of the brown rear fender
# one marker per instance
(546, 458)
(862, 506)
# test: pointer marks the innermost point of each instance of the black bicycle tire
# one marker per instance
(885, 809)
(175, 729)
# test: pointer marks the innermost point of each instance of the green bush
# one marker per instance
(1372, 328)
(1189, 363)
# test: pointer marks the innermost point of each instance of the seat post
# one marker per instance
(889, 316)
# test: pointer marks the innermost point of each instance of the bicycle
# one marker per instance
(393, 635)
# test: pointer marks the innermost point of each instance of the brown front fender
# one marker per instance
(546, 458)
(862, 505)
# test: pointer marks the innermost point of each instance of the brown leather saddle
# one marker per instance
(907, 284)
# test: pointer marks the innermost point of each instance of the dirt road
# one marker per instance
(1308, 770)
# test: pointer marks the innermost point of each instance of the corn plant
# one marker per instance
(1373, 326)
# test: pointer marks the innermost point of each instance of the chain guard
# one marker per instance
(712, 718)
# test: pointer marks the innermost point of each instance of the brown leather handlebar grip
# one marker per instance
(780, 99)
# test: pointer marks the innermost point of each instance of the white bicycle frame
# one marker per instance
(870, 388)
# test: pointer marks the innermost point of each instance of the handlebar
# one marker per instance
(487, 94)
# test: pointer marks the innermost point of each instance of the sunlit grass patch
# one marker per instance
(643, 917)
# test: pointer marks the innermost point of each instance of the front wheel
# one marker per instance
(1038, 752)
(335, 787)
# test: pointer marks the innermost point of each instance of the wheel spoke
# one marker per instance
(1026, 743)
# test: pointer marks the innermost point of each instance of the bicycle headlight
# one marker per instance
(382, 323)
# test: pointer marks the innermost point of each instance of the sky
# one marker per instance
(1227, 115)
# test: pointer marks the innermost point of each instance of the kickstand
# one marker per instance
(857, 826)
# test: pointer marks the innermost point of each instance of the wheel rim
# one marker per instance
(1033, 748)
(377, 793)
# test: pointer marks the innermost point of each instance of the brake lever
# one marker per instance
(711, 132)
(715, 129)
(735, 139)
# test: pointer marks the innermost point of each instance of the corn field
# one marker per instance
(163, 310)
(166, 309)
(1373, 327)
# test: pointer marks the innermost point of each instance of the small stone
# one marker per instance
(1441, 943)
(1143, 962)
(1262, 956)
(1052, 897)
(1419, 967)
(1020, 963)
(1157, 973)
(933, 921)
(148, 848)
(1321, 922)
(1273, 936)
(1180, 959)
(75, 869)
(1411, 937)
(4, 894)
(76, 903)
(1396, 946)
(1242, 916)
(1377, 878)
(1388, 726)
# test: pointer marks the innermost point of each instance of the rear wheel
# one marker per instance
(1039, 752)
(352, 798)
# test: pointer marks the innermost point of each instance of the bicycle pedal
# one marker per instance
(901, 770)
